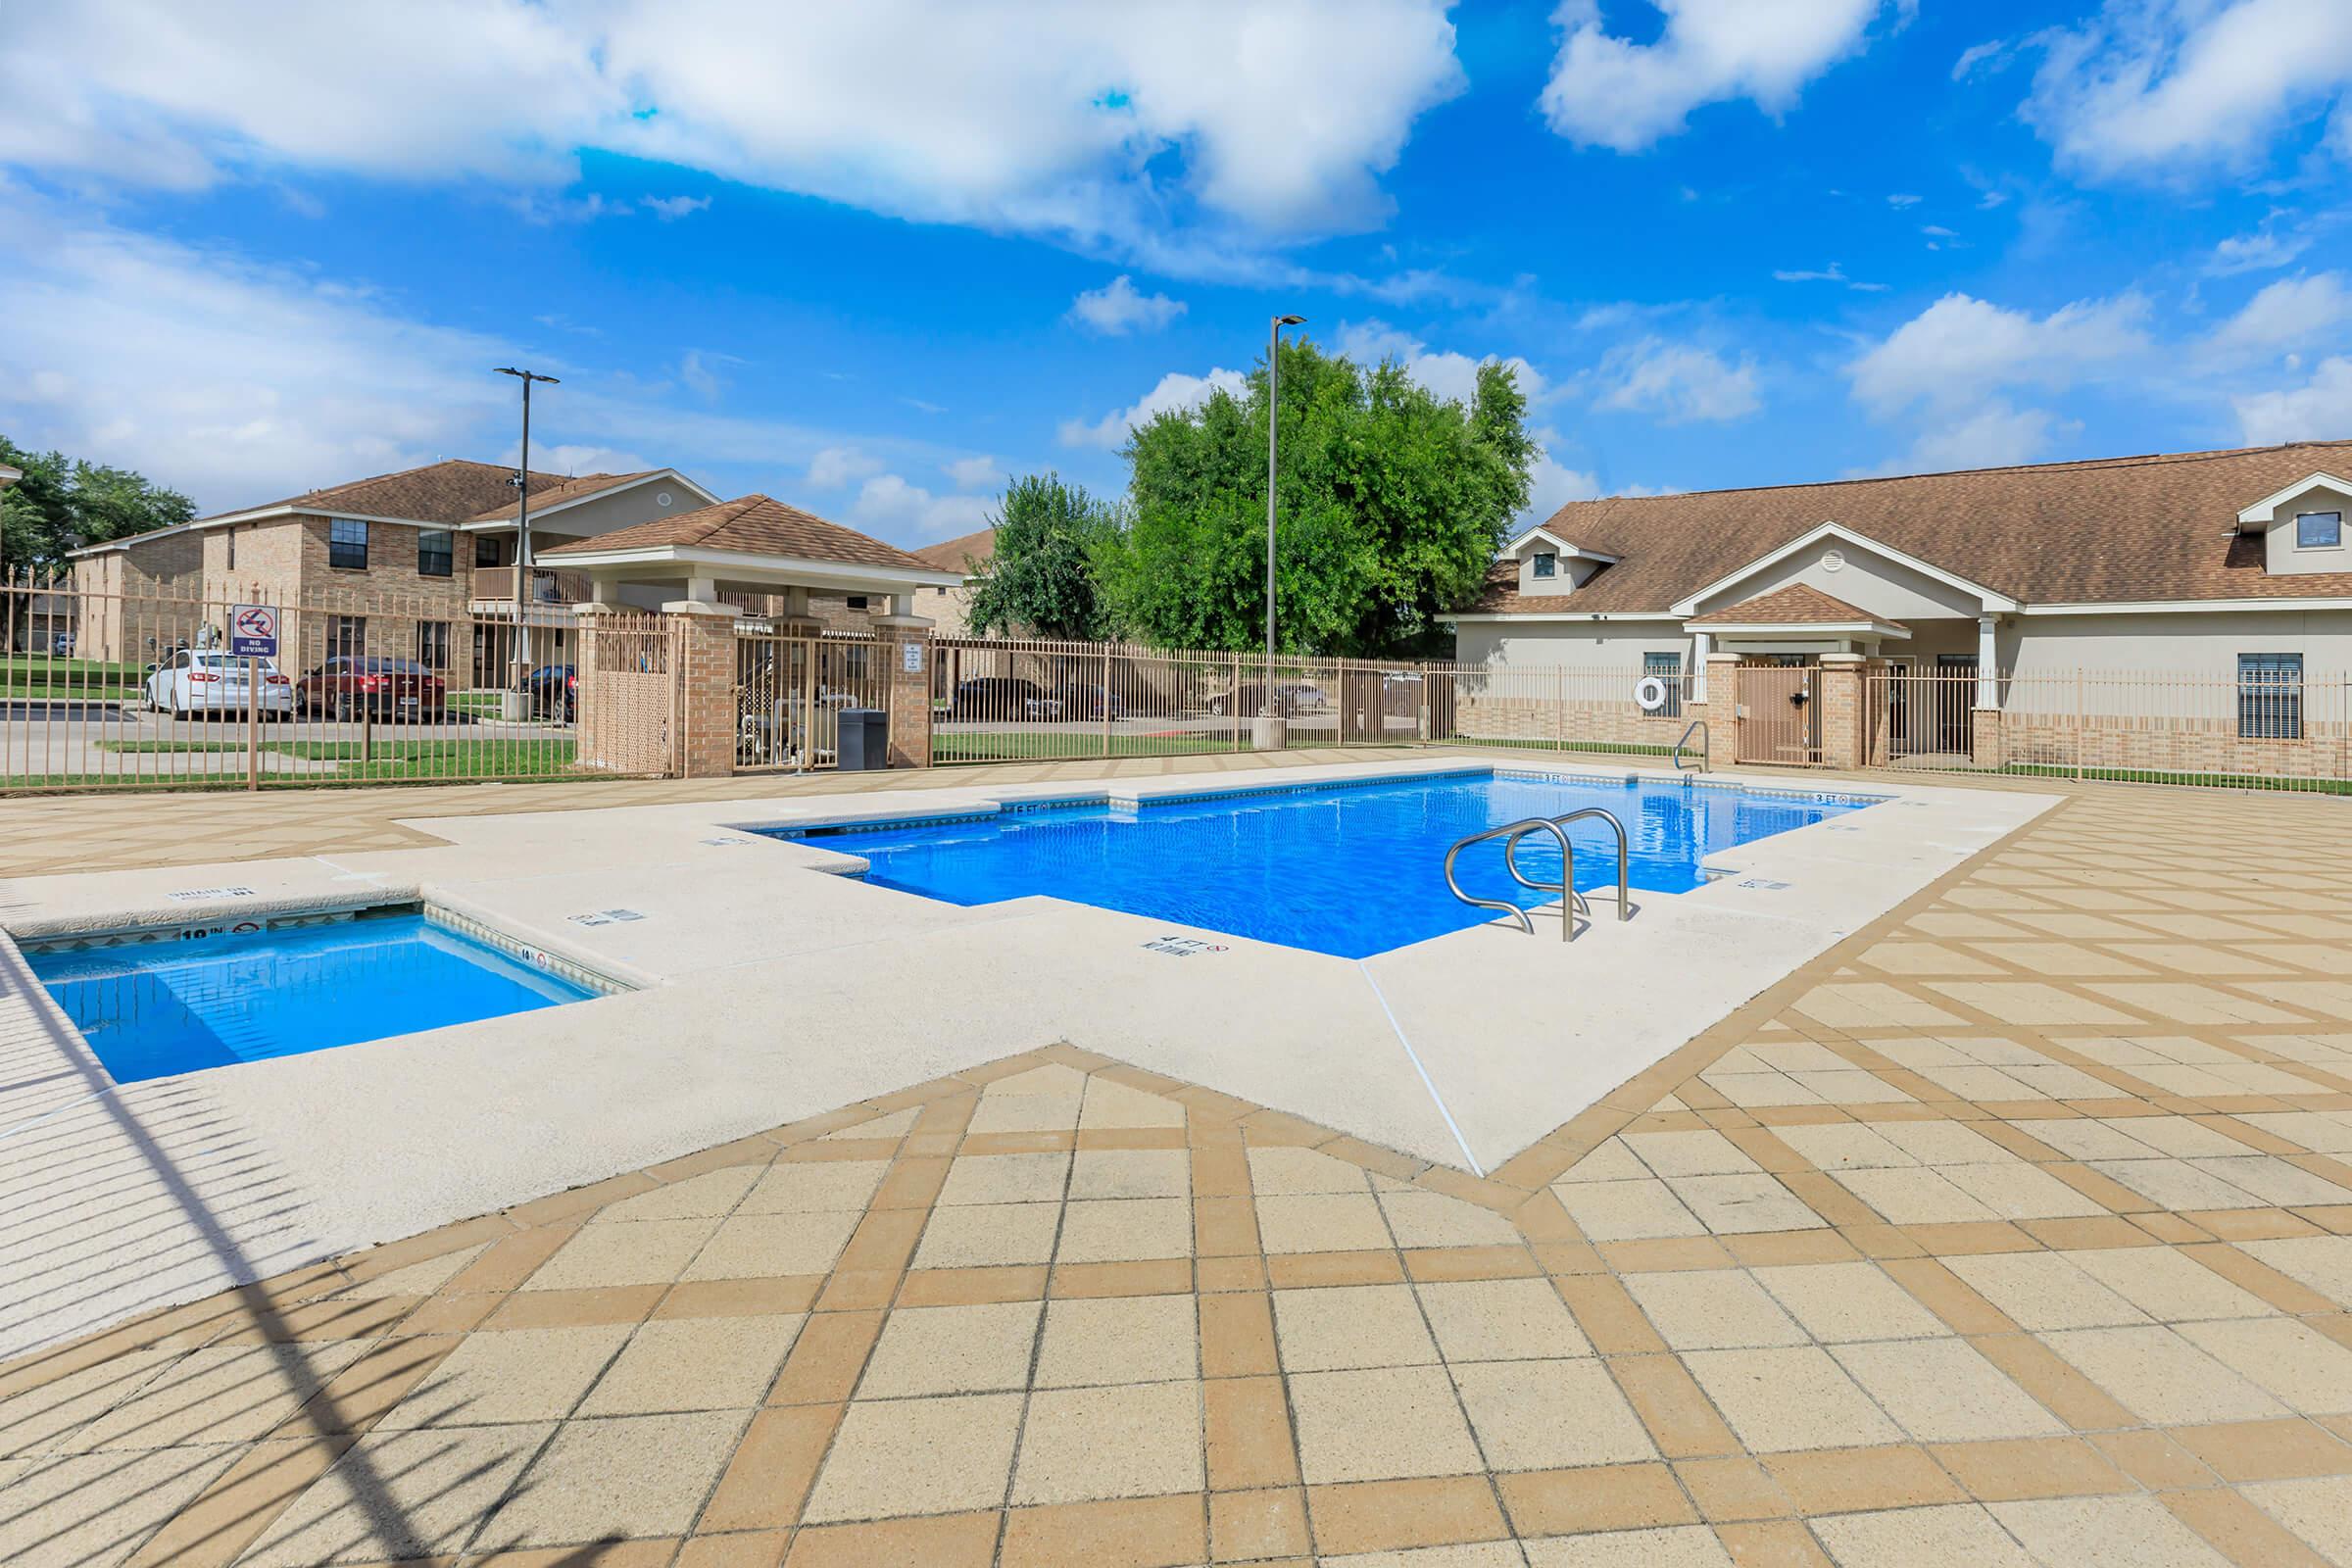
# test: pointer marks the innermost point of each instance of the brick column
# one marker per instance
(1878, 715)
(906, 644)
(1842, 741)
(1985, 737)
(1723, 707)
(706, 703)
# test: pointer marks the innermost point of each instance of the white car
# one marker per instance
(198, 680)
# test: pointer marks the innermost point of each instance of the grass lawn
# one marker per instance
(28, 675)
(1029, 746)
(1607, 748)
(2219, 781)
(385, 762)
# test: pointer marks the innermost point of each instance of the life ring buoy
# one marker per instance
(1649, 695)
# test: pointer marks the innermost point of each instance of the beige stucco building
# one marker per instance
(950, 608)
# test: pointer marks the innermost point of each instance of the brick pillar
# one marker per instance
(1842, 742)
(1878, 715)
(906, 644)
(1723, 707)
(1985, 737)
(706, 703)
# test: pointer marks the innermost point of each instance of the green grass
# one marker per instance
(26, 675)
(1071, 745)
(387, 761)
(1610, 748)
(2149, 775)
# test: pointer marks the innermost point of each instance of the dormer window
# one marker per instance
(1548, 564)
(2319, 530)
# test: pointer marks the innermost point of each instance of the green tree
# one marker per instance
(1392, 505)
(1041, 580)
(63, 503)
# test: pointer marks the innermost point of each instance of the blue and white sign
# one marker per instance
(253, 631)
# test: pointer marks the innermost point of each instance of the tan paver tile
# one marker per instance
(1119, 1339)
(1792, 1398)
(217, 1393)
(1330, 1329)
(2303, 1367)
(1321, 1222)
(1132, 1173)
(2016, 1190)
(910, 1456)
(1744, 1204)
(713, 1363)
(989, 1236)
(951, 1350)
(1433, 1219)
(2168, 1286)
(1124, 1230)
(1675, 1547)
(2318, 1510)
(1006, 1179)
(2273, 1181)
(809, 1187)
(1948, 1533)
(518, 1376)
(1500, 1320)
(1285, 1171)
(1943, 1390)
(1612, 1162)
(2160, 1377)
(2043, 1291)
(704, 1196)
(92, 1510)
(2322, 1262)
(1692, 1153)
(1081, 1445)
(1108, 1103)
(2175, 1183)
(1627, 1211)
(750, 1246)
(49, 1410)
(1540, 1415)
(633, 1476)
(1712, 1309)
(635, 1252)
(1382, 1424)
(399, 1495)
(1841, 1302)
(1913, 1196)
(2105, 1533)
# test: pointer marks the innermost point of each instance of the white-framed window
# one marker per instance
(1548, 564)
(2270, 697)
(2319, 530)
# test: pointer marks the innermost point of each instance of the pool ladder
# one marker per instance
(1572, 903)
(1706, 761)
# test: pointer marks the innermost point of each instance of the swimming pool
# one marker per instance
(1350, 870)
(150, 1009)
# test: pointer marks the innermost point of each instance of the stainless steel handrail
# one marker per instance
(1570, 901)
(1706, 748)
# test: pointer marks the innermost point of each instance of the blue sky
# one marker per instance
(874, 258)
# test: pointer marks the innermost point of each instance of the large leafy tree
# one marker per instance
(1391, 505)
(63, 503)
(1041, 580)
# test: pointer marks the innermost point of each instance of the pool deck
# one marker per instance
(771, 986)
(2014, 1229)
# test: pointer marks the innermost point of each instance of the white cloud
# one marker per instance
(672, 208)
(834, 467)
(2287, 314)
(1119, 308)
(1175, 391)
(1445, 374)
(889, 508)
(1835, 273)
(1105, 126)
(1994, 435)
(1552, 485)
(1679, 383)
(1960, 350)
(975, 473)
(2164, 87)
(2320, 410)
(1606, 91)
(2263, 251)
(699, 369)
(1900, 201)
(582, 458)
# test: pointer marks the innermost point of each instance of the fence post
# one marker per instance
(2077, 723)
(1105, 700)
(253, 723)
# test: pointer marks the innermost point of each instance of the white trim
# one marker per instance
(1471, 618)
(885, 579)
(2179, 606)
(490, 524)
(2260, 510)
(1803, 628)
(1988, 597)
(1571, 551)
(2296, 546)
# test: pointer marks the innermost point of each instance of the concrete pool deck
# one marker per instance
(2016, 1228)
(773, 987)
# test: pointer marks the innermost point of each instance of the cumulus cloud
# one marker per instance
(1835, 273)
(889, 508)
(1608, 91)
(2160, 87)
(669, 209)
(1679, 383)
(1101, 125)
(1446, 373)
(1994, 435)
(2320, 410)
(975, 473)
(1119, 308)
(2288, 314)
(1961, 349)
(1176, 391)
(834, 467)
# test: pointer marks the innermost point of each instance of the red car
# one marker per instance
(389, 687)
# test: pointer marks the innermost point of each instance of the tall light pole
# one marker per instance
(1269, 734)
(522, 526)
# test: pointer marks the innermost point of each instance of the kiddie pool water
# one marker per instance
(1351, 870)
(151, 1010)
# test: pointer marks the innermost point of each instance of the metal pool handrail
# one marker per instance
(1570, 901)
(1706, 736)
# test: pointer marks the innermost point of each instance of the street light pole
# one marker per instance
(522, 527)
(1269, 736)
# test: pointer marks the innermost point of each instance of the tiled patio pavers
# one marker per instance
(2019, 1229)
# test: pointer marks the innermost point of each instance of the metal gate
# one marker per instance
(791, 691)
(1780, 714)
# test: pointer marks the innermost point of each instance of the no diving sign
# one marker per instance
(253, 631)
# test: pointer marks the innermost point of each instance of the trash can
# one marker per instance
(864, 740)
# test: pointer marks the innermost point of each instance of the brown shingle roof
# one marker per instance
(587, 484)
(965, 554)
(1797, 604)
(754, 524)
(2115, 530)
(452, 491)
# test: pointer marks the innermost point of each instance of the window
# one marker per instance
(347, 544)
(433, 556)
(1667, 668)
(1548, 564)
(232, 549)
(485, 550)
(432, 644)
(2319, 530)
(856, 601)
(346, 635)
(2270, 697)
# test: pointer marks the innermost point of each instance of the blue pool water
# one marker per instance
(162, 1007)
(1350, 871)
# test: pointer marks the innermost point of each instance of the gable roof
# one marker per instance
(2117, 530)
(752, 524)
(451, 491)
(1797, 604)
(962, 555)
(569, 490)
